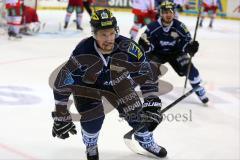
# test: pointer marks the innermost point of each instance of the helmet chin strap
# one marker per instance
(117, 31)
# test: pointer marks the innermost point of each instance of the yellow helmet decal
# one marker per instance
(111, 15)
(95, 16)
(167, 4)
(107, 23)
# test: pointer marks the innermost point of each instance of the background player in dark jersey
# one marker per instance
(106, 64)
(168, 40)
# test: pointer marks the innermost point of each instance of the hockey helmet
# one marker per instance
(167, 5)
(103, 19)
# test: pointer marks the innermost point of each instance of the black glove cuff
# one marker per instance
(61, 117)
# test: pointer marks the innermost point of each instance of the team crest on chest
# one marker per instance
(174, 35)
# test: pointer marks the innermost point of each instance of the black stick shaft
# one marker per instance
(179, 99)
(194, 38)
(128, 135)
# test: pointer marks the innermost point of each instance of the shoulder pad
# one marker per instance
(84, 47)
(182, 26)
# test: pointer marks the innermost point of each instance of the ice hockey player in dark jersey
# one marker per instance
(168, 40)
(110, 65)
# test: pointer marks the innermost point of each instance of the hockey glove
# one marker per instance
(192, 48)
(144, 42)
(151, 112)
(62, 125)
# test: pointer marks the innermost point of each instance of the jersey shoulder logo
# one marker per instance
(95, 17)
(134, 50)
(69, 79)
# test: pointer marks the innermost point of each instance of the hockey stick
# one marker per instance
(194, 38)
(128, 137)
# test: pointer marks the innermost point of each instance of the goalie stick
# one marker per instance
(128, 137)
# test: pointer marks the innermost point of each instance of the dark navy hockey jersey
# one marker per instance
(86, 59)
(167, 40)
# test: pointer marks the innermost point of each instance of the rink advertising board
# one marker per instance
(194, 4)
(225, 7)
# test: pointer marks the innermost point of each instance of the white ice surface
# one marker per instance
(26, 100)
